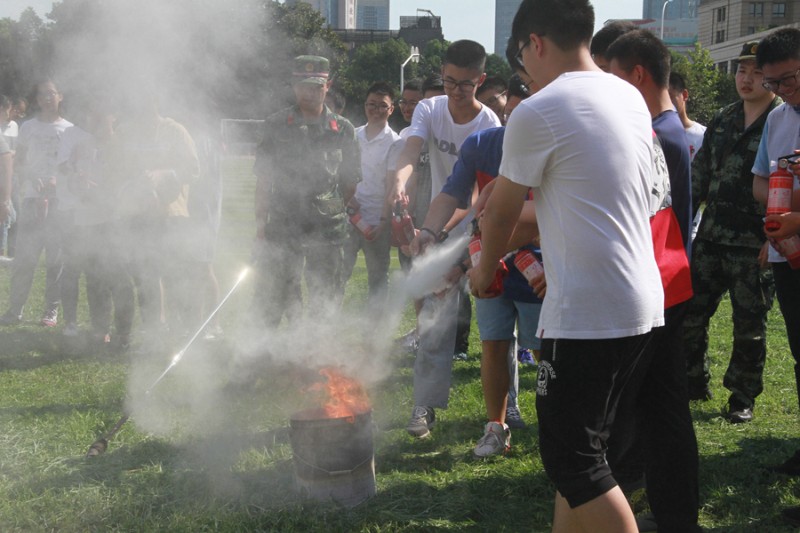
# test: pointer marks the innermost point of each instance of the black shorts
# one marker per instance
(579, 386)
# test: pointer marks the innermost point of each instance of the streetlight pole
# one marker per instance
(413, 57)
(663, 11)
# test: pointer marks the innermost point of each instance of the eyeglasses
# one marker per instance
(404, 103)
(495, 98)
(377, 107)
(518, 55)
(788, 82)
(464, 85)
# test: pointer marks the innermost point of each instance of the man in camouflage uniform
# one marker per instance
(725, 253)
(307, 167)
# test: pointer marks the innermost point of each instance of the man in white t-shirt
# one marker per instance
(604, 292)
(39, 227)
(375, 139)
(443, 123)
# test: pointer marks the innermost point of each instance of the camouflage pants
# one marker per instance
(716, 269)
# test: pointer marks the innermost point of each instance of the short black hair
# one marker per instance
(677, 82)
(465, 54)
(433, 82)
(380, 88)
(780, 45)
(568, 23)
(493, 82)
(412, 85)
(608, 34)
(642, 47)
(512, 49)
(516, 87)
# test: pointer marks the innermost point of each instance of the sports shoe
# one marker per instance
(700, 392)
(70, 330)
(460, 356)
(49, 318)
(6, 261)
(737, 412)
(496, 440)
(421, 422)
(525, 357)
(214, 333)
(514, 418)
(10, 319)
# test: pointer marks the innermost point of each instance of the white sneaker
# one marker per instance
(421, 422)
(496, 440)
(6, 261)
(70, 330)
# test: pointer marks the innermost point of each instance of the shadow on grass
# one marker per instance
(737, 487)
(28, 349)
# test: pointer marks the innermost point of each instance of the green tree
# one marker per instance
(704, 81)
(497, 66)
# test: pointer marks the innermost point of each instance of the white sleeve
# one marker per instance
(527, 146)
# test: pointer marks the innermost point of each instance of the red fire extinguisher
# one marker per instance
(779, 200)
(528, 265)
(402, 226)
(496, 287)
(356, 220)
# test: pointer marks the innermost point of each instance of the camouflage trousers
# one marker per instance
(716, 269)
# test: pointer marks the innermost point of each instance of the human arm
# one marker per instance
(499, 219)
(441, 210)
(701, 170)
(788, 225)
(5, 186)
(406, 162)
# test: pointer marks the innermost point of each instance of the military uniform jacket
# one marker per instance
(304, 170)
(722, 177)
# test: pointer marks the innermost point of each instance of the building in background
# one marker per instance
(504, 11)
(677, 9)
(414, 30)
(372, 14)
(339, 14)
(725, 25)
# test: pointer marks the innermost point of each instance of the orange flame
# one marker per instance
(346, 396)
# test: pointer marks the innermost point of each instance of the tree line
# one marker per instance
(230, 59)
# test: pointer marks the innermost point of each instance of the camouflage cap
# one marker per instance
(748, 51)
(311, 69)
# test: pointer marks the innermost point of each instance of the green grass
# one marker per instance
(228, 467)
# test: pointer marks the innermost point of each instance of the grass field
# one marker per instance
(228, 466)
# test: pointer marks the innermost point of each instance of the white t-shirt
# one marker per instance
(585, 143)
(781, 136)
(371, 190)
(694, 136)
(40, 141)
(434, 124)
(10, 131)
(77, 153)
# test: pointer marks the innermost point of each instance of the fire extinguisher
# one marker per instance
(528, 265)
(496, 287)
(779, 200)
(402, 226)
(356, 220)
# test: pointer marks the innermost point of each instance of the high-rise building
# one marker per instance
(372, 14)
(339, 14)
(504, 11)
(676, 9)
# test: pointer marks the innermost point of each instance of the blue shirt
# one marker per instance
(479, 162)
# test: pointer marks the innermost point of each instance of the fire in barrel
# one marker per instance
(333, 446)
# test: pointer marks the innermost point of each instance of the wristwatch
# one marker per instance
(442, 236)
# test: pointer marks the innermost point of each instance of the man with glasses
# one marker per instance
(443, 123)
(778, 57)
(492, 94)
(729, 242)
(604, 293)
(375, 139)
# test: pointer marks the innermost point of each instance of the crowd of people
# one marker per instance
(106, 195)
(638, 218)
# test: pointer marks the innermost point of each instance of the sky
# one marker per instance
(461, 19)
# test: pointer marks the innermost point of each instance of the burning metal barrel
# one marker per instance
(334, 457)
